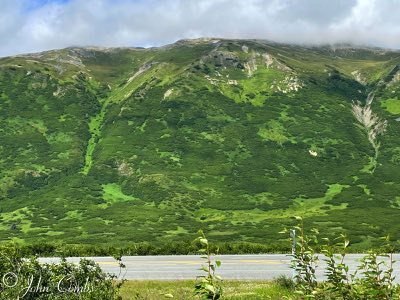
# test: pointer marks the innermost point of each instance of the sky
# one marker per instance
(37, 25)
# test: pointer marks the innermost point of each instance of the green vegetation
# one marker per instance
(43, 249)
(26, 278)
(208, 285)
(183, 290)
(372, 279)
(392, 106)
(141, 146)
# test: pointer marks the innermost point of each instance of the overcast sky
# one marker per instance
(36, 25)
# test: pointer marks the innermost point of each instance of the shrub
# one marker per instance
(285, 282)
(208, 286)
(373, 278)
(26, 278)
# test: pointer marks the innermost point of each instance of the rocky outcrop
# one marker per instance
(359, 77)
(371, 123)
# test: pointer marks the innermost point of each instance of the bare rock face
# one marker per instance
(124, 169)
(222, 59)
(251, 65)
(168, 93)
(272, 62)
(396, 79)
(372, 124)
(291, 83)
(359, 77)
(68, 59)
(141, 70)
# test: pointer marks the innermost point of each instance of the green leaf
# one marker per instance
(209, 288)
(204, 268)
(203, 241)
(168, 296)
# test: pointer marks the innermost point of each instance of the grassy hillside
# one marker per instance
(232, 136)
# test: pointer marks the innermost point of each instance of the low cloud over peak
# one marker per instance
(30, 26)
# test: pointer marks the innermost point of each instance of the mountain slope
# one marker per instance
(233, 136)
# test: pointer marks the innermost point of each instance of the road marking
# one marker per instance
(113, 263)
(194, 262)
(264, 262)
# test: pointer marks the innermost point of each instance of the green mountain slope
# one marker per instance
(232, 136)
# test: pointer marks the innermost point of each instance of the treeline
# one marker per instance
(46, 249)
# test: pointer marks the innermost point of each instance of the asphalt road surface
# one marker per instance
(244, 267)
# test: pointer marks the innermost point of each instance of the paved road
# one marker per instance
(245, 267)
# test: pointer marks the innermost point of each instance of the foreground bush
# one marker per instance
(208, 286)
(373, 278)
(26, 278)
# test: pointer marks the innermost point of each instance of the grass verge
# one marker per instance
(183, 289)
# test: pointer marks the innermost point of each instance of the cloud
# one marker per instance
(30, 26)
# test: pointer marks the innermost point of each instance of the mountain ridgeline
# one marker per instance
(123, 145)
